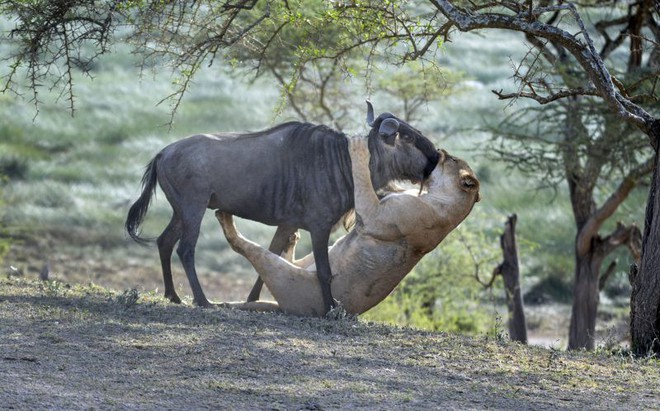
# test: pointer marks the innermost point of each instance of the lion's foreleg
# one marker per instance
(366, 199)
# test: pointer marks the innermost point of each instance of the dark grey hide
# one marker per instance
(294, 175)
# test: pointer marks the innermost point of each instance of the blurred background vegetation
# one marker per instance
(67, 181)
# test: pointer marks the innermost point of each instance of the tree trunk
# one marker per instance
(645, 297)
(582, 331)
(510, 271)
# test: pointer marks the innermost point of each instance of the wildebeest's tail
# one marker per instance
(139, 209)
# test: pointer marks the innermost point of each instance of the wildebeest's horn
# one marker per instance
(388, 127)
(370, 114)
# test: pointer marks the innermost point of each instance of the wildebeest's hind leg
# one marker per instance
(166, 242)
(191, 221)
(278, 244)
(320, 239)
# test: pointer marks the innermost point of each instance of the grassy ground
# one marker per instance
(74, 347)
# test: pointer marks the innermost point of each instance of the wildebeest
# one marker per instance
(392, 234)
(294, 175)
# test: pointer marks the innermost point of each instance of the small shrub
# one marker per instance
(13, 168)
(55, 288)
(441, 292)
(114, 136)
(45, 194)
(128, 298)
(339, 313)
(5, 242)
(71, 173)
(549, 289)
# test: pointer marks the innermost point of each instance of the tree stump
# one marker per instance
(510, 272)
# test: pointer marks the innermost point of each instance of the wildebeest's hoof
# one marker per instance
(173, 298)
(338, 312)
(205, 304)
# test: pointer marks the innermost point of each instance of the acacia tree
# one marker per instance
(50, 39)
(527, 18)
(578, 141)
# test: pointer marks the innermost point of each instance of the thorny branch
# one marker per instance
(546, 99)
(578, 44)
(47, 33)
(477, 263)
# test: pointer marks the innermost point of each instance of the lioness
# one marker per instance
(390, 236)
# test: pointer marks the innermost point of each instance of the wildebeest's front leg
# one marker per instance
(320, 238)
(278, 244)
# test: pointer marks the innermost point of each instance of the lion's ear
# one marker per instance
(443, 156)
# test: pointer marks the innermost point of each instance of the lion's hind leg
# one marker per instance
(289, 252)
(286, 282)
(261, 306)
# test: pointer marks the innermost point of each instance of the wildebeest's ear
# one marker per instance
(388, 129)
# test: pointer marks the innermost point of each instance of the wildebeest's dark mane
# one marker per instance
(327, 149)
(295, 126)
(301, 135)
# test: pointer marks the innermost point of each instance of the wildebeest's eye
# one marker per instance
(406, 137)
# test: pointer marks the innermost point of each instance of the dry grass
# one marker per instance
(75, 347)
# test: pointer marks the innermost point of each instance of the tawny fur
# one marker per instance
(390, 237)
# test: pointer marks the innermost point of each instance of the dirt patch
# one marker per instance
(73, 347)
(122, 267)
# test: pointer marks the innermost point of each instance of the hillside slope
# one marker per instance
(83, 347)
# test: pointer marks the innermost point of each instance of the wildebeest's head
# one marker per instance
(398, 150)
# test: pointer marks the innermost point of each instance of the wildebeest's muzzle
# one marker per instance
(433, 162)
(431, 154)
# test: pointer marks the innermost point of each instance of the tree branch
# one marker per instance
(591, 227)
(547, 99)
(50, 35)
(583, 50)
(631, 236)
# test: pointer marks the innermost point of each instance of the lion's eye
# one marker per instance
(469, 183)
